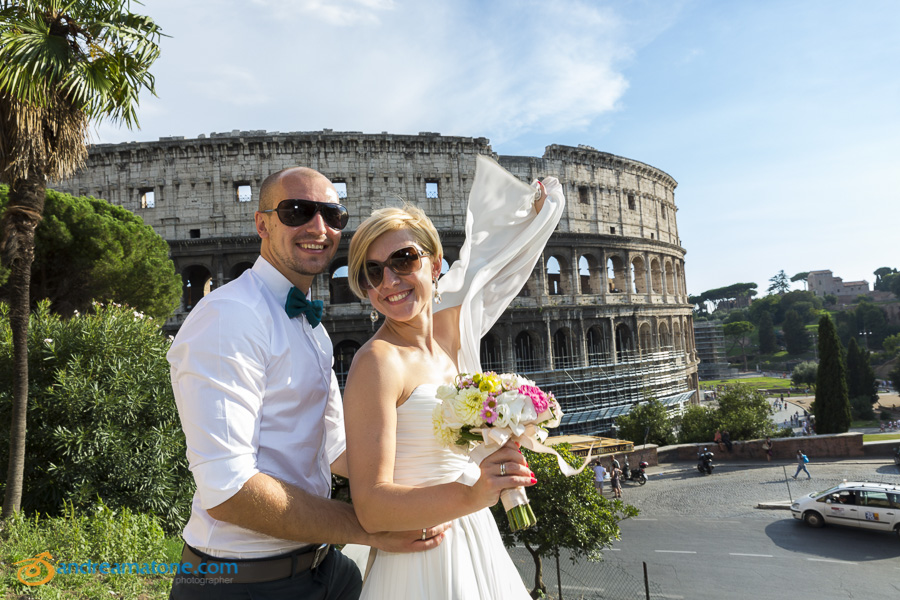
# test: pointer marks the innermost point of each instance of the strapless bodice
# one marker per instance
(420, 459)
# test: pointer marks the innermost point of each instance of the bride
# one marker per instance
(401, 478)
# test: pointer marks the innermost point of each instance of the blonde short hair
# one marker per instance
(385, 220)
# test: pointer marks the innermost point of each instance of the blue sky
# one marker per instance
(779, 119)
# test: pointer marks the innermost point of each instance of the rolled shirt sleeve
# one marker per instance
(218, 376)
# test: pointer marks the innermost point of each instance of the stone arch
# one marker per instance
(238, 269)
(527, 347)
(343, 357)
(589, 274)
(645, 337)
(670, 278)
(491, 353)
(339, 285)
(676, 334)
(665, 340)
(616, 274)
(624, 343)
(197, 282)
(599, 344)
(564, 353)
(557, 276)
(638, 275)
(656, 282)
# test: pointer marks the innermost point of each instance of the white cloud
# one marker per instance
(341, 13)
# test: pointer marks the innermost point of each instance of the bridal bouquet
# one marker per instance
(480, 412)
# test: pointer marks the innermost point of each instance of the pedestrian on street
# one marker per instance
(615, 478)
(599, 476)
(801, 464)
(767, 446)
(717, 438)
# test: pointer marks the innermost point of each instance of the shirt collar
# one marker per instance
(273, 279)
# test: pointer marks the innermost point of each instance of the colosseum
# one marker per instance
(603, 321)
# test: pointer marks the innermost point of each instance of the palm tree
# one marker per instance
(63, 63)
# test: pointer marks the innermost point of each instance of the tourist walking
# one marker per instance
(802, 459)
(599, 476)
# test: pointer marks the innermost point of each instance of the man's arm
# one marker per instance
(284, 511)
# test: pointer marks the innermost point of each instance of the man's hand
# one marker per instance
(410, 541)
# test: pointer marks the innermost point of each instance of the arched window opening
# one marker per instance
(638, 276)
(526, 357)
(238, 269)
(343, 357)
(598, 345)
(197, 282)
(339, 285)
(615, 275)
(491, 353)
(564, 355)
(665, 340)
(584, 273)
(554, 283)
(656, 277)
(645, 338)
(623, 342)
(670, 278)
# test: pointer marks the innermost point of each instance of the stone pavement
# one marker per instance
(741, 489)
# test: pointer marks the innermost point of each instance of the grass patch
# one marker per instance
(754, 382)
(880, 437)
(104, 536)
(866, 423)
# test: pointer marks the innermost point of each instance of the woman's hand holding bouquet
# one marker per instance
(481, 412)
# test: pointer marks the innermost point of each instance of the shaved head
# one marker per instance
(270, 192)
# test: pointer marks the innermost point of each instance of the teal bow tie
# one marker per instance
(297, 304)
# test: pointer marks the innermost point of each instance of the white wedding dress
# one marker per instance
(504, 239)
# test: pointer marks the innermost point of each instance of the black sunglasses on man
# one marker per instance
(297, 212)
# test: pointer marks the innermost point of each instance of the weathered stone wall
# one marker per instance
(840, 445)
(607, 302)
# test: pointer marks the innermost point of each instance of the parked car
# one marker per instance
(853, 504)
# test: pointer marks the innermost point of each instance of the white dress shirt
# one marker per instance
(256, 393)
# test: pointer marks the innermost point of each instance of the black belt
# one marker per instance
(255, 570)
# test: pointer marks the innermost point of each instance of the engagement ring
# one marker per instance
(423, 536)
(502, 469)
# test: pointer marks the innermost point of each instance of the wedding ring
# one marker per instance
(424, 537)
(502, 469)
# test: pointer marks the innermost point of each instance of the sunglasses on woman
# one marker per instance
(402, 262)
(295, 213)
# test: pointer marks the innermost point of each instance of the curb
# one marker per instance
(782, 505)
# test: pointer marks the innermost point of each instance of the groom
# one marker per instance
(262, 414)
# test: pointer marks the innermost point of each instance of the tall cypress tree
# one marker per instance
(832, 407)
(860, 375)
(854, 385)
(767, 343)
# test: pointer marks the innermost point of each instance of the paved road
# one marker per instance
(703, 537)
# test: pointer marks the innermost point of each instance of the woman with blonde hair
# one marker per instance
(401, 477)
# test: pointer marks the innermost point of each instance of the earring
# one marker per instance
(437, 293)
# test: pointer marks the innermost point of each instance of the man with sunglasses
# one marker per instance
(262, 414)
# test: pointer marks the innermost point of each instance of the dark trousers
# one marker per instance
(337, 578)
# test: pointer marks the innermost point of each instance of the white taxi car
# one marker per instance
(866, 505)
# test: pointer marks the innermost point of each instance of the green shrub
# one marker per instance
(861, 409)
(102, 535)
(102, 422)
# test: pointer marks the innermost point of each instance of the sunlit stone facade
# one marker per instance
(604, 320)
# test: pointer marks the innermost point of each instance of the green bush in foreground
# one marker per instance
(102, 422)
(102, 536)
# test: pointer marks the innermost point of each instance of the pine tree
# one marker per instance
(767, 344)
(832, 406)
